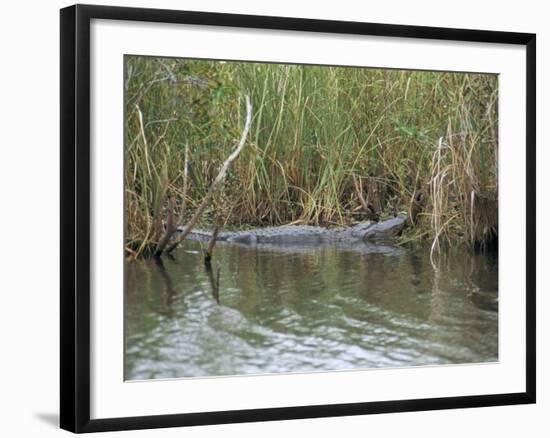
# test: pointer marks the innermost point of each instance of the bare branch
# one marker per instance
(170, 228)
(210, 247)
(217, 181)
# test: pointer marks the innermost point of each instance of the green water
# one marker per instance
(306, 309)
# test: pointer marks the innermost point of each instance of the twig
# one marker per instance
(131, 252)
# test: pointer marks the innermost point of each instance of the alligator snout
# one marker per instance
(385, 230)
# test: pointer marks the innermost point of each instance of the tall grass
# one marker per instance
(424, 143)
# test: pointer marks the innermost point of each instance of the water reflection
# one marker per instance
(214, 281)
(263, 310)
(168, 292)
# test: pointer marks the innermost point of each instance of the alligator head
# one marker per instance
(381, 230)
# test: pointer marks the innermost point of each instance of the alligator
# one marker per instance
(369, 232)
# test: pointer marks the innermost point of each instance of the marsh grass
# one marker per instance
(423, 143)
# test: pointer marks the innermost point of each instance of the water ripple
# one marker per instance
(320, 309)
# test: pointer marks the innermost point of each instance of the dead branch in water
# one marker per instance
(217, 181)
(170, 228)
(210, 248)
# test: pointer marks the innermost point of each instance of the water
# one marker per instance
(306, 309)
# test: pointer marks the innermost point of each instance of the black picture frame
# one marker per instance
(75, 217)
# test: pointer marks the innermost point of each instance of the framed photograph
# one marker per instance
(268, 218)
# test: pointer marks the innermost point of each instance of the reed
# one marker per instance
(424, 143)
